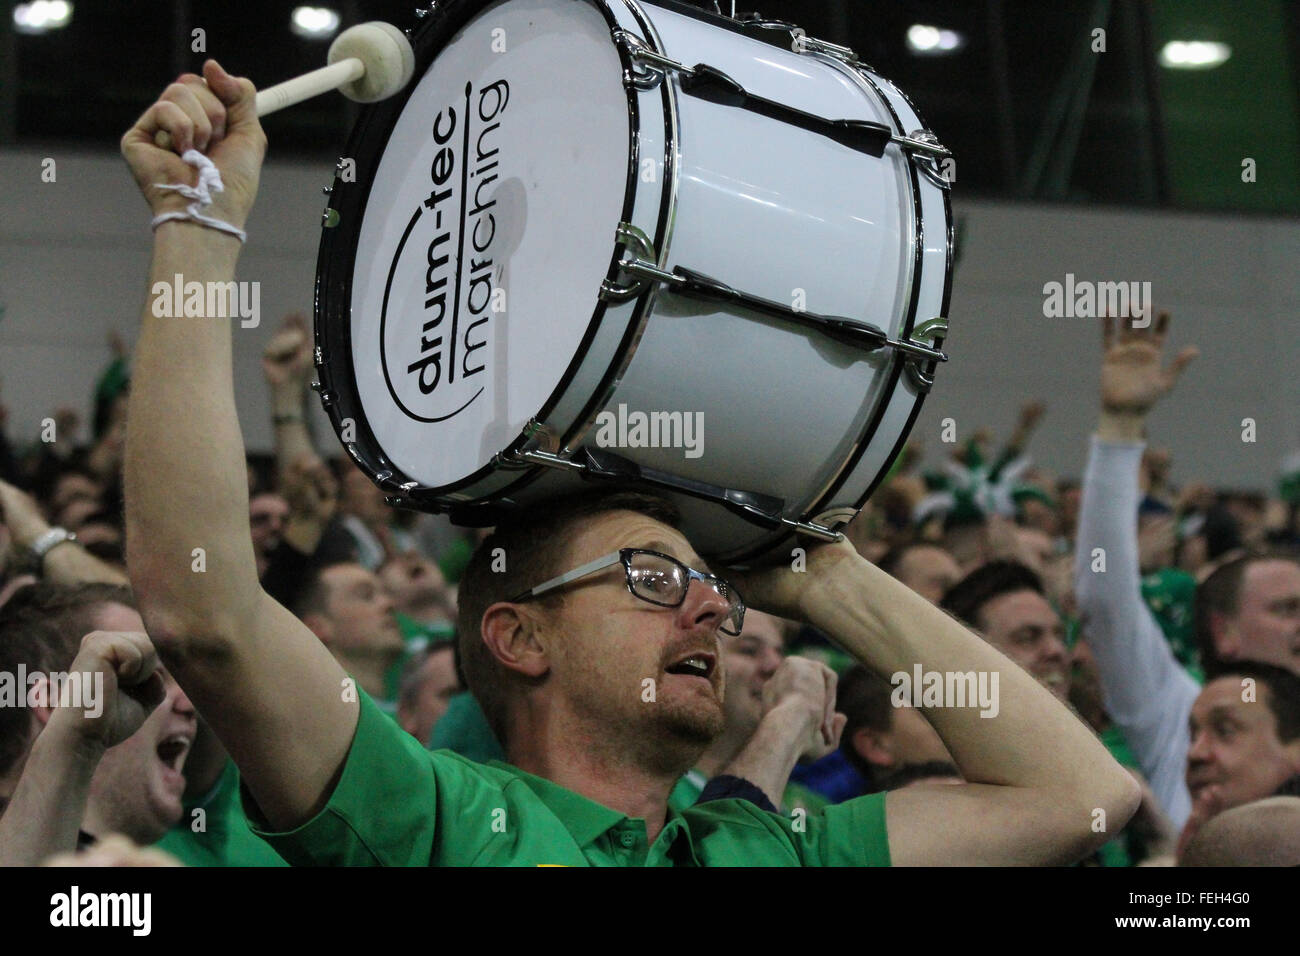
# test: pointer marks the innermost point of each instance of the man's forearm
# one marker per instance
(289, 425)
(186, 483)
(1033, 741)
(1122, 426)
(70, 564)
(770, 754)
(1147, 692)
(66, 563)
(44, 814)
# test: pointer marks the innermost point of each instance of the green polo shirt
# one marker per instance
(397, 804)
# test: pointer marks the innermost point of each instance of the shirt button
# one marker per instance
(627, 839)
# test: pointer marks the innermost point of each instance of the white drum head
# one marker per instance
(486, 235)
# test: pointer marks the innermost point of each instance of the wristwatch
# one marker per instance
(49, 539)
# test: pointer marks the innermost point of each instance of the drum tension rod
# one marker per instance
(711, 84)
(847, 331)
(597, 464)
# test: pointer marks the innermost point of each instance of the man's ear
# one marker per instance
(319, 625)
(874, 746)
(1227, 638)
(511, 633)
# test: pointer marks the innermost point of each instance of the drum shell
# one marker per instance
(781, 213)
(785, 411)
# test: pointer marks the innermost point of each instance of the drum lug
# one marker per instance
(628, 234)
(326, 396)
(648, 68)
(538, 436)
(926, 152)
(811, 530)
(802, 43)
(535, 457)
(402, 500)
(929, 329)
(835, 516)
(540, 446)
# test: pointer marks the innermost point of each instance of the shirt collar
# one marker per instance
(584, 819)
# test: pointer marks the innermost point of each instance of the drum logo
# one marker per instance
(434, 346)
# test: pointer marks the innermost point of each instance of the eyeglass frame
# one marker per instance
(624, 556)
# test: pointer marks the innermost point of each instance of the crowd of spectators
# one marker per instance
(1146, 607)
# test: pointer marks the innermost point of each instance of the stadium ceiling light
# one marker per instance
(924, 40)
(42, 16)
(1194, 54)
(314, 23)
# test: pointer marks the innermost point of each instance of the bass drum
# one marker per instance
(620, 240)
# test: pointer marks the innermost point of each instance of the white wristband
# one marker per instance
(209, 182)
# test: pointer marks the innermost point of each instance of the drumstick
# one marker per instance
(367, 62)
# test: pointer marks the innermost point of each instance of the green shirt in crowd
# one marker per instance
(416, 638)
(464, 728)
(225, 839)
(398, 804)
(1170, 593)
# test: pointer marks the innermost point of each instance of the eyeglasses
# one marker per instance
(655, 578)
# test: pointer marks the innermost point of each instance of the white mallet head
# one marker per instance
(367, 63)
(387, 55)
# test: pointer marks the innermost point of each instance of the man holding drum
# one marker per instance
(595, 653)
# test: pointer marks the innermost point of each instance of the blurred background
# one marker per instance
(1184, 90)
(1116, 157)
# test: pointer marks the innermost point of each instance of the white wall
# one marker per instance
(1232, 285)
(74, 260)
(74, 255)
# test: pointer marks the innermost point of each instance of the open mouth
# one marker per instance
(173, 751)
(694, 665)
